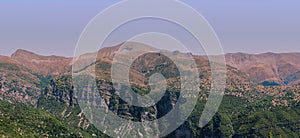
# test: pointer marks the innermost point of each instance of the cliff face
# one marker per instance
(248, 109)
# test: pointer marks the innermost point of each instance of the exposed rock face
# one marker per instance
(46, 65)
(268, 68)
(20, 82)
(17, 83)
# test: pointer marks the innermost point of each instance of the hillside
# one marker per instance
(268, 68)
(45, 65)
(248, 109)
(19, 120)
(18, 83)
(261, 97)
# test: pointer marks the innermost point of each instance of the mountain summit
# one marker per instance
(267, 68)
(45, 65)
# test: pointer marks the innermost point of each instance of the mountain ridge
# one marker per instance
(247, 109)
(265, 68)
(276, 68)
(45, 65)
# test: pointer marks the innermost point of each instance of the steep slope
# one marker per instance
(268, 68)
(17, 83)
(247, 110)
(19, 120)
(45, 65)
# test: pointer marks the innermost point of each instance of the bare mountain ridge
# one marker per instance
(266, 68)
(17, 83)
(45, 65)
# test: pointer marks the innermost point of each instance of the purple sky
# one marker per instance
(53, 28)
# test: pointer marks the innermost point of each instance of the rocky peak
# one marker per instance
(23, 53)
(45, 65)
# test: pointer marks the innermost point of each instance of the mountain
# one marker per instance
(45, 65)
(268, 68)
(20, 120)
(40, 88)
(247, 110)
(18, 83)
(12, 68)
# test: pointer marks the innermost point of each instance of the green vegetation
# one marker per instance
(9, 67)
(237, 118)
(50, 107)
(19, 120)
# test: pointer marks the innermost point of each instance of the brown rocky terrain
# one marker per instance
(45, 65)
(268, 68)
(17, 83)
(46, 83)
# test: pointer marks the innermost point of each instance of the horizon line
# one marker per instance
(238, 52)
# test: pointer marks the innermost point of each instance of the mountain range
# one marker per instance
(261, 96)
(267, 68)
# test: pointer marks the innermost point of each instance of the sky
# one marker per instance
(54, 27)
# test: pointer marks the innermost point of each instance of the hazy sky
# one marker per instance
(53, 28)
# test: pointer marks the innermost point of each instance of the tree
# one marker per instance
(271, 134)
